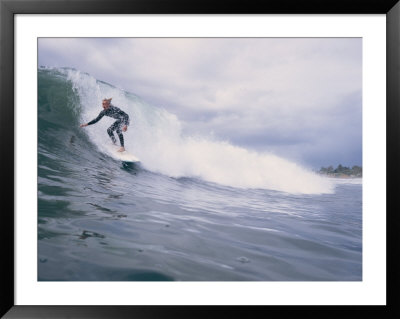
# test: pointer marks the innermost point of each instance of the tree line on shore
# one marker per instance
(355, 171)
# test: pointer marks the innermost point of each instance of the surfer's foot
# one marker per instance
(122, 149)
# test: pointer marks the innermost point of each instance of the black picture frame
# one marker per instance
(8, 9)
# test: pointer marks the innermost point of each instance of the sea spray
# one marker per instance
(155, 136)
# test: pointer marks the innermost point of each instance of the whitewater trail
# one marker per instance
(155, 136)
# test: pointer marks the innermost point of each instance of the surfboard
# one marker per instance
(125, 156)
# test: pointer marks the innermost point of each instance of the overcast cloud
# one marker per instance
(297, 97)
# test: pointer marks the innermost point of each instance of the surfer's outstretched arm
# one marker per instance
(98, 118)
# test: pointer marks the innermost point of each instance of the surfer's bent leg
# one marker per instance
(110, 132)
(121, 137)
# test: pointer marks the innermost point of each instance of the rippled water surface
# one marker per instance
(129, 224)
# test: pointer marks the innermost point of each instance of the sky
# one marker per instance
(300, 98)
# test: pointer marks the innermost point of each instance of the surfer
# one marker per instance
(121, 123)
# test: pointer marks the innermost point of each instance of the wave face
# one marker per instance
(155, 136)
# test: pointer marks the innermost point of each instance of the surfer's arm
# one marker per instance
(122, 116)
(126, 122)
(125, 119)
(98, 118)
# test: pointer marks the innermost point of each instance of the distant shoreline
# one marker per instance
(341, 171)
(340, 175)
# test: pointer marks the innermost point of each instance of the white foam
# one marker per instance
(155, 136)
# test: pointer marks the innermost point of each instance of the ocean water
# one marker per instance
(194, 209)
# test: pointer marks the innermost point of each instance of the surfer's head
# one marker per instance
(106, 103)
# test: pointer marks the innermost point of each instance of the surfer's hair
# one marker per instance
(108, 100)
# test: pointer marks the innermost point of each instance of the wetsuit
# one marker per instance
(122, 119)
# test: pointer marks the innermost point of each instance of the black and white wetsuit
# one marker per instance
(122, 119)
